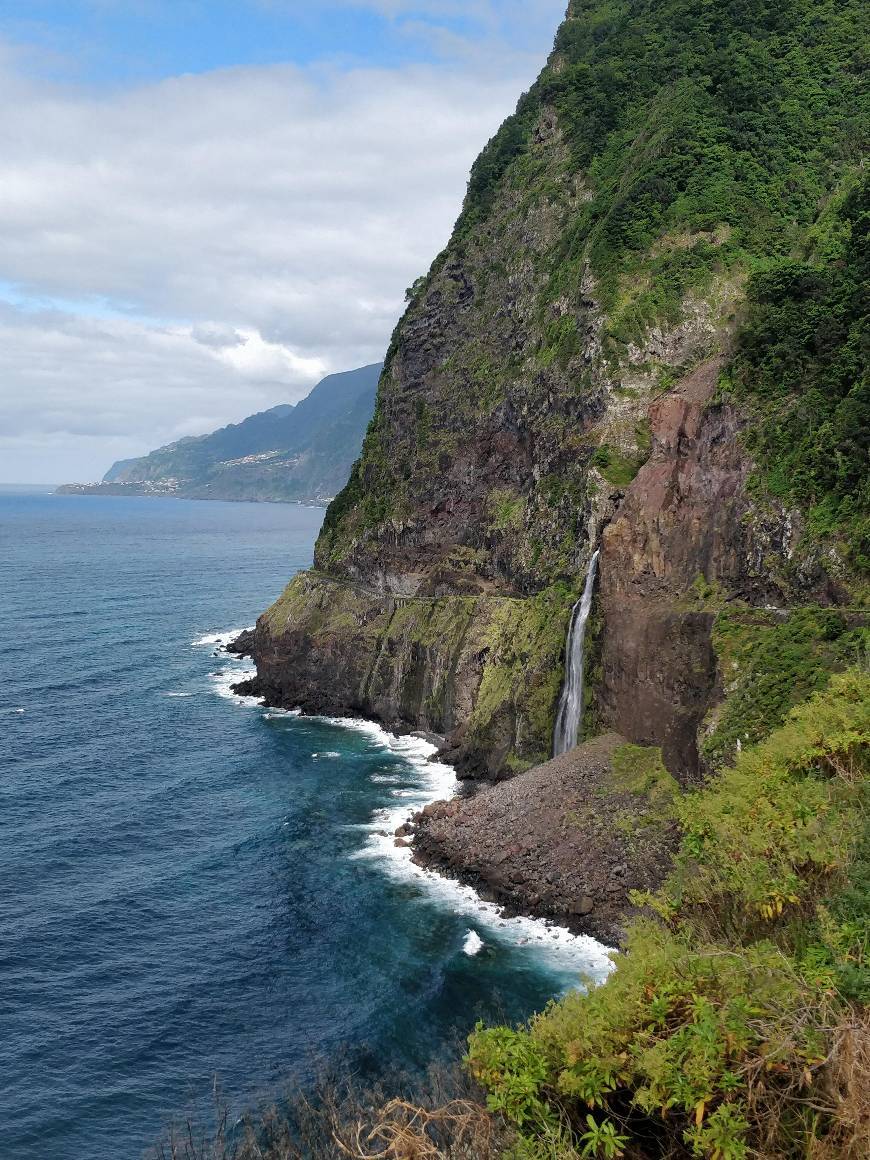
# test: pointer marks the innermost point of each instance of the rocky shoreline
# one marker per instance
(566, 841)
(244, 645)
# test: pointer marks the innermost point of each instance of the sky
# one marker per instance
(208, 205)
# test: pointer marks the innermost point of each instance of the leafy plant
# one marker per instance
(802, 365)
(602, 1139)
(719, 1021)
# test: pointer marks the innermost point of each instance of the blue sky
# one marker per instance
(122, 41)
(118, 42)
(205, 207)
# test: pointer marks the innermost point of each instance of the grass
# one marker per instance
(640, 770)
(770, 663)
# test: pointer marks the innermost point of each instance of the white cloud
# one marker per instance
(183, 253)
(269, 362)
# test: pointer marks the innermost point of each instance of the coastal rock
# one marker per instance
(591, 833)
(482, 671)
(532, 407)
(243, 644)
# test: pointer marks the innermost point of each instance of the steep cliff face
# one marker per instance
(688, 517)
(554, 381)
(483, 671)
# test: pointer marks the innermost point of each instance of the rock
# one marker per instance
(243, 645)
(435, 811)
(687, 514)
(583, 876)
(585, 906)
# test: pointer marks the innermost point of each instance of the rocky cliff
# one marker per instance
(578, 368)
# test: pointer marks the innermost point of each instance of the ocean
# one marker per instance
(194, 889)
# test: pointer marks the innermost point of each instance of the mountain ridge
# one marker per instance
(288, 453)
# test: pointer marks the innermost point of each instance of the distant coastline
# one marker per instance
(147, 490)
(298, 453)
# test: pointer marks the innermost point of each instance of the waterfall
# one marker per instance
(570, 714)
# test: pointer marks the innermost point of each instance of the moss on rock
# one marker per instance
(485, 671)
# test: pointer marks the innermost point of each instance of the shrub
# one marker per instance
(720, 1030)
(802, 366)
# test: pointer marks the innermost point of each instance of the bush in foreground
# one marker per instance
(734, 1025)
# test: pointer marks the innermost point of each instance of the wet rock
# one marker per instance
(243, 645)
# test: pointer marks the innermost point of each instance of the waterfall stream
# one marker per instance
(570, 715)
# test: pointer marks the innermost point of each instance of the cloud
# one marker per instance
(214, 335)
(179, 254)
(86, 388)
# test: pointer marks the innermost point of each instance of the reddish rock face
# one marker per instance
(687, 515)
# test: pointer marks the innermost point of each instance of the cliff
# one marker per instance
(300, 453)
(631, 310)
(648, 335)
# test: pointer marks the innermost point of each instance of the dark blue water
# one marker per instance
(190, 886)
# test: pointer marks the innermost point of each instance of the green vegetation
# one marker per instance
(417, 649)
(560, 342)
(802, 366)
(369, 507)
(674, 149)
(687, 117)
(771, 662)
(730, 1027)
(640, 770)
(507, 510)
(619, 467)
(525, 642)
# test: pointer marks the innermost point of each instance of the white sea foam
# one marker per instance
(473, 944)
(572, 956)
(238, 670)
(223, 638)
(234, 669)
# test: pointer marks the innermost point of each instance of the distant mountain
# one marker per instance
(300, 453)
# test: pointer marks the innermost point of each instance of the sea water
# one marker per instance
(194, 887)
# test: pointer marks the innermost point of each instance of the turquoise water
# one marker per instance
(191, 886)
